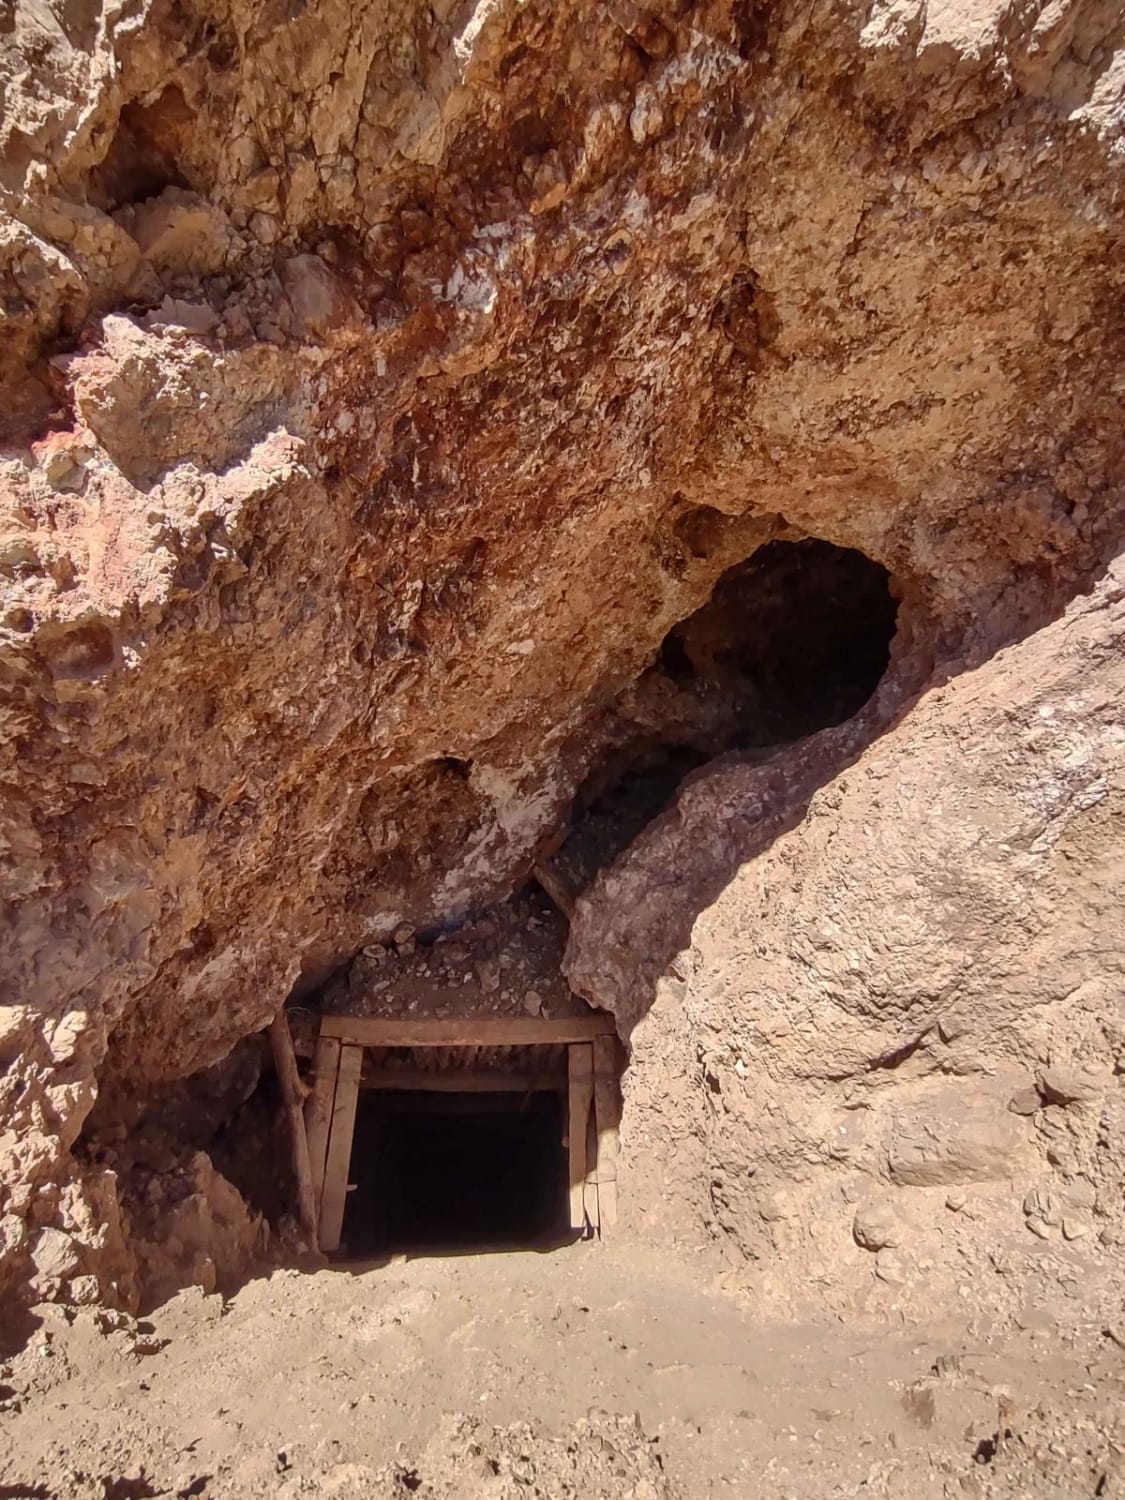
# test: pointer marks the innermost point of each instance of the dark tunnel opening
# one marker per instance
(456, 1171)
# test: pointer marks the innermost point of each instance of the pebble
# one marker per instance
(1041, 1205)
(1025, 1102)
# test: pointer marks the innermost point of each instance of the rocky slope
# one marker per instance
(381, 384)
(888, 1060)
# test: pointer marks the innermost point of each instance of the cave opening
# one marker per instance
(456, 1171)
(793, 640)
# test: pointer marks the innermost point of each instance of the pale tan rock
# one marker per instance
(941, 808)
(55, 1258)
(954, 1139)
(1060, 1084)
(180, 231)
(1042, 1205)
(1075, 1228)
(893, 1268)
(876, 1226)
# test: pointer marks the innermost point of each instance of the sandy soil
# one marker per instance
(583, 1371)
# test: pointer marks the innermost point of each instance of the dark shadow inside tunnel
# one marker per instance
(456, 1171)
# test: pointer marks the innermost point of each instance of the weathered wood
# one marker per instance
(517, 1031)
(591, 1195)
(318, 1111)
(340, 1148)
(581, 1097)
(461, 1081)
(607, 1112)
(554, 886)
(292, 1096)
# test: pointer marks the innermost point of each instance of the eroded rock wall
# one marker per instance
(380, 384)
(889, 1063)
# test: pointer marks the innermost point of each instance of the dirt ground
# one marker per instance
(584, 1371)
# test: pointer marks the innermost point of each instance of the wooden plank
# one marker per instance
(607, 1111)
(581, 1096)
(591, 1194)
(318, 1111)
(292, 1097)
(518, 1031)
(340, 1148)
(553, 886)
(461, 1081)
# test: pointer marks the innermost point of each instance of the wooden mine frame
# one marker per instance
(590, 1083)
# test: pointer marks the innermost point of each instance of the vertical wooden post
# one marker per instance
(341, 1131)
(580, 1068)
(607, 1111)
(591, 1195)
(318, 1111)
(292, 1095)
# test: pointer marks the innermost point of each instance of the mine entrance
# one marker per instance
(449, 1134)
(445, 1171)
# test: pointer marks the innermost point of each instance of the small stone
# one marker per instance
(1062, 1085)
(1062, 1157)
(488, 972)
(532, 1003)
(876, 1226)
(1041, 1205)
(1039, 1229)
(771, 1208)
(54, 1256)
(403, 933)
(84, 1291)
(890, 1268)
(264, 228)
(1075, 1229)
(1025, 1102)
(955, 1202)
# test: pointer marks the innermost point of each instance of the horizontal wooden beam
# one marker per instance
(461, 1081)
(493, 1031)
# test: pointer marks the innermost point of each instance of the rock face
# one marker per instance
(858, 1014)
(381, 384)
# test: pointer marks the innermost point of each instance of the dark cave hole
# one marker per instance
(146, 152)
(793, 640)
(456, 1171)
